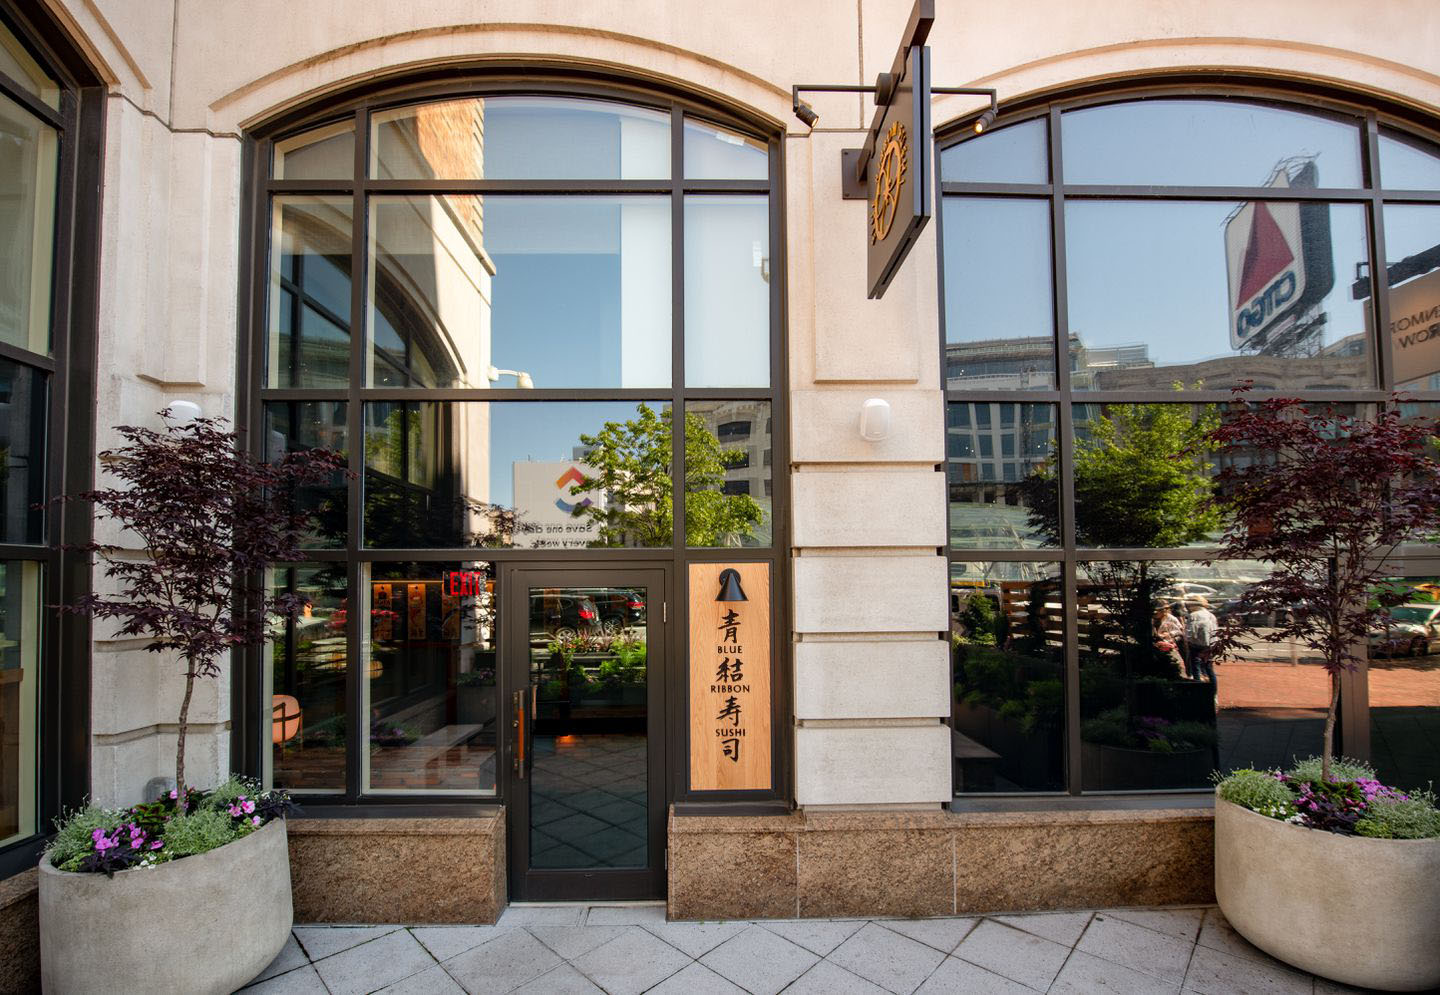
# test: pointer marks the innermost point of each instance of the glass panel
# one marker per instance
(520, 138)
(24, 405)
(17, 63)
(1187, 294)
(714, 153)
(1007, 638)
(19, 692)
(589, 793)
(1412, 251)
(532, 475)
(999, 314)
(727, 291)
(430, 689)
(29, 155)
(1137, 483)
(1016, 154)
(325, 153)
(295, 426)
(1003, 494)
(308, 342)
(727, 475)
(306, 669)
(1408, 164)
(553, 291)
(1404, 680)
(1205, 143)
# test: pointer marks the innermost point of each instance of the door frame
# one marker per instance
(558, 885)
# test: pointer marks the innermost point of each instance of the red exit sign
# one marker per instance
(466, 583)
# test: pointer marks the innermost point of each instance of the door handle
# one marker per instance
(519, 726)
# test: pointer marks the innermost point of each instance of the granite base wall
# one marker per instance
(20, 933)
(936, 863)
(398, 870)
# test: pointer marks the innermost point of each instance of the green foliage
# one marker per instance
(1413, 818)
(631, 460)
(980, 619)
(1259, 791)
(1007, 682)
(225, 795)
(200, 832)
(72, 838)
(1341, 769)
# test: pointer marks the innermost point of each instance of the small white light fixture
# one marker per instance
(522, 379)
(875, 420)
(180, 412)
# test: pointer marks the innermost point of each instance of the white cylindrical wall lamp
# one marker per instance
(875, 419)
(181, 412)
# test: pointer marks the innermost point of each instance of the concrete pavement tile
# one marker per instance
(575, 941)
(942, 934)
(563, 980)
(503, 963)
(373, 965)
(1062, 927)
(432, 982)
(288, 959)
(894, 962)
(819, 936)
(1011, 953)
(960, 977)
(759, 961)
(1214, 972)
(631, 963)
(1183, 924)
(322, 941)
(541, 915)
(1140, 949)
(301, 981)
(625, 915)
(445, 942)
(1084, 974)
(697, 979)
(1217, 934)
(826, 978)
(695, 938)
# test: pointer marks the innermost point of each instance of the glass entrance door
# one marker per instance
(585, 669)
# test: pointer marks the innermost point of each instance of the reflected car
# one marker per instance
(562, 616)
(620, 608)
(1412, 630)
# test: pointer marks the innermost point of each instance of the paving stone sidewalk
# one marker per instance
(628, 949)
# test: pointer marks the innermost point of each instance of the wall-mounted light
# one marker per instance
(984, 121)
(180, 412)
(522, 379)
(730, 589)
(875, 419)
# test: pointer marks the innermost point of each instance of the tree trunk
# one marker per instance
(1327, 750)
(180, 736)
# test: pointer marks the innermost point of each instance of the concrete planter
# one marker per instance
(1359, 911)
(201, 924)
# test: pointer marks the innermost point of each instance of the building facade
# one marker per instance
(495, 253)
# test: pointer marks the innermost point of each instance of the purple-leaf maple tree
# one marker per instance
(211, 518)
(1323, 497)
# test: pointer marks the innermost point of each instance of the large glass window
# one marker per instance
(29, 163)
(498, 304)
(1100, 304)
(19, 696)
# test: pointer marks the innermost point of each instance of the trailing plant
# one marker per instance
(1259, 791)
(1359, 805)
(1401, 818)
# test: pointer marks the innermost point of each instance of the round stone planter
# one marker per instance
(1359, 911)
(201, 924)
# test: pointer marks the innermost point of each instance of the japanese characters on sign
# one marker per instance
(730, 718)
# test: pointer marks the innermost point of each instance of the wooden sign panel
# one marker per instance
(729, 677)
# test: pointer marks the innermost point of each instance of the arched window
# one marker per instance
(1113, 265)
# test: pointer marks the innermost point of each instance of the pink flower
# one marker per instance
(248, 807)
(255, 820)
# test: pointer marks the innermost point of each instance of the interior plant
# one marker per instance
(1322, 865)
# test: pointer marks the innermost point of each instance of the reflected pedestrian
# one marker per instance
(1200, 635)
(1169, 632)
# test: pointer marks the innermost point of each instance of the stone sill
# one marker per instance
(883, 821)
(487, 825)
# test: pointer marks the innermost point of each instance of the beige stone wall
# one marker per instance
(869, 593)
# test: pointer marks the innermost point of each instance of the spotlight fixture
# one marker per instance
(523, 380)
(805, 113)
(984, 121)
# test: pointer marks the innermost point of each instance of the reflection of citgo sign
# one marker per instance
(890, 168)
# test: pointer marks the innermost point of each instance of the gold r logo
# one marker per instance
(890, 169)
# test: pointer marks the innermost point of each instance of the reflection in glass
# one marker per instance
(306, 675)
(324, 153)
(727, 477)
(19, 692)
(1212, 294)
(308, 340)
(1203, 143)
(24, 404)
(1412, 249)
(1007, 658)
(1018, 153)
(29, 152)
(520, 138)
(430, 691)
(1404, 676)
(569, 291)
(993, 452)
(589, 791)
(999, 316)
(715, 153)
(1142, 478)
(17, 63)
(1408, 164)
(296, 426)
(727, 291)
(523, 474)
